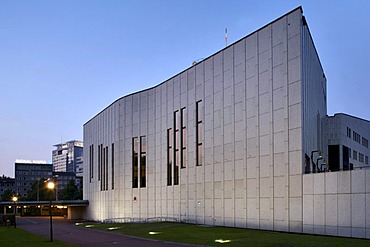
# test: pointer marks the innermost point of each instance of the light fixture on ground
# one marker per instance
(51, 186)
(15, 199)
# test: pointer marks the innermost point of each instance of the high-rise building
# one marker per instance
(234, 140)
(27, 172)
(68, 157)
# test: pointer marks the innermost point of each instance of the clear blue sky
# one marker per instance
(61, 62)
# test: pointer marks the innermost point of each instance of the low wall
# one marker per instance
(76, 212)
(337, 203)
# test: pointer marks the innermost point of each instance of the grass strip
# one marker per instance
(10, 236)
(224, 236)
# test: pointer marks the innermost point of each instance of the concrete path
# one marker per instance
(67, 231)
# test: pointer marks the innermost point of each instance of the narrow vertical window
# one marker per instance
(99, 164)
(112, 166)
(365, 142)
(102, 150)
(349, 132)
(183, 137)
(106, 168)
(199, 133)
(361, 157)
(176, 142)
(91, 162)
(135, 150)
(169, 157)
(142, 161)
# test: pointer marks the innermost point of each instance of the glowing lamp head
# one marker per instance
(15, 199)
(50, 185)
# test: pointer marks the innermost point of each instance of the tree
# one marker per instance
(70, 192)
(38, 192)
(8, 195)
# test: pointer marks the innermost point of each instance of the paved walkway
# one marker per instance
(67, 231)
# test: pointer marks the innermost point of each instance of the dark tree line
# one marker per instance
(39, 192)
(70, 192)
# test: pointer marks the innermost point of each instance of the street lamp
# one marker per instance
(313, 163)
(15, 199)
(51, 185)
(323, 164)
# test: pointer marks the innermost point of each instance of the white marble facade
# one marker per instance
(263, 99)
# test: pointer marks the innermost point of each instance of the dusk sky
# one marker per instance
(62, 62)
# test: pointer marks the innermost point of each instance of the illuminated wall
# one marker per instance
(222, 143)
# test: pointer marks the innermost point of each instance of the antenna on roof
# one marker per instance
(225, 37)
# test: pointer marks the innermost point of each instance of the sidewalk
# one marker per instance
(67, 231)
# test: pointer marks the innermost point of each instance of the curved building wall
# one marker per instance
(221, 143)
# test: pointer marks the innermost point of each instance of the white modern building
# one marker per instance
(348, 142)
(228, 142)
(68, 157)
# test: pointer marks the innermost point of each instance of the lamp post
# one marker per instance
(15, 199)
(51, 185)
(323, 164)
(313, 163)
(317, 163)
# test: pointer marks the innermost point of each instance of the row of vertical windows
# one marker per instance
(103, 162)
(139, 147)
(176, 146)
(357, 138)
(361, 157)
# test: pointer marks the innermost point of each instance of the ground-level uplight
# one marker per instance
(222, 241)
(114, 228)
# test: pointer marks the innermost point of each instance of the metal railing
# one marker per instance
(141, 220)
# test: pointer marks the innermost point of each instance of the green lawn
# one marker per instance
(202, 235)
(10, 236)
